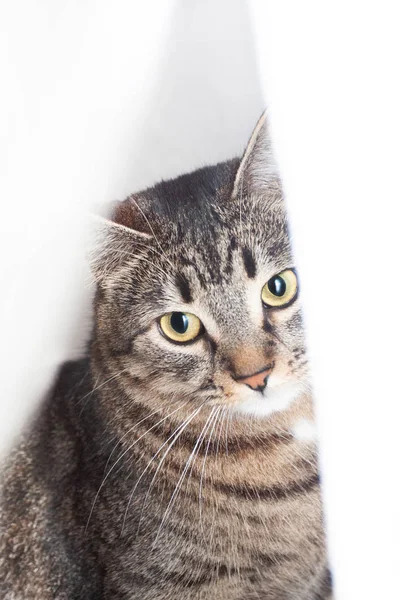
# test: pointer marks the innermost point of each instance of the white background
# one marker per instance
(100, 99)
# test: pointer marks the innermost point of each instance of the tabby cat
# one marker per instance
(177, 460)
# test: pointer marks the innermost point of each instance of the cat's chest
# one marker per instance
(220, 555)
(231, 532)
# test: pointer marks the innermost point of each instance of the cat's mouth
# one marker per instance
(269, 400)
(227, 385)
(270, 389)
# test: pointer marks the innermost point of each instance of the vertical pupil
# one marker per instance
(277, 286)
(179, 322)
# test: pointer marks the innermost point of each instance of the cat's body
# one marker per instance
(158, 469)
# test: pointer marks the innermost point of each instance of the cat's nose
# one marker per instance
(256, 381)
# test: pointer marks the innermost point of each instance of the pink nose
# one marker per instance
(257, 381)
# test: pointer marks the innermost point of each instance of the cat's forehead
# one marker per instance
(205, 198)
(214, 239)
(222, 278)
(222, 270)
(197, 217)
(233, 252)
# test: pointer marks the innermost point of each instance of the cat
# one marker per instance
(178, 459)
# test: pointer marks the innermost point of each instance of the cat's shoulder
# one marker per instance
(72, 378)
(48, 431)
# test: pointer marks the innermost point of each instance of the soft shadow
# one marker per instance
(206, 97)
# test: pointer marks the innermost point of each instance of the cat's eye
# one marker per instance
(281, 289)
(181, 327)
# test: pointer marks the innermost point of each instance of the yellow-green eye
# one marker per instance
(280, 289)
(181, 327)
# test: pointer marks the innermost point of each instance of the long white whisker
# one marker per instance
(213, 422)
(222, 420)
(178, 485)
(123, 454)
(97, 387)
(128, 432)
(228, 417)
(81, 400)
(193, 461)
(223, 415)
(176, 434)
(296, 449)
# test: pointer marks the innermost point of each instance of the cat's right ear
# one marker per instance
(118, 237)
(258, 170)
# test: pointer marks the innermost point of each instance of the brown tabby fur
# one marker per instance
(106, 496)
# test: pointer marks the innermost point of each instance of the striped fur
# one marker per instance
(151, 472)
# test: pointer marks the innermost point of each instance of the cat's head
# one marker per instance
(198, 297)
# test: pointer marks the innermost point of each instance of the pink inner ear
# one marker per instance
(131, 214)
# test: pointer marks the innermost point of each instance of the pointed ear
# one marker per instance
(257, 170)
(130, 214)
(118, 238)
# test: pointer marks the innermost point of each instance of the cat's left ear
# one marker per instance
(258, 170)
(118, 237)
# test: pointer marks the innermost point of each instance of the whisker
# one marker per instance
(214, 422)
(177, 433)
(128, 432)
(228, 418)
(202, 437)
(96, 387)
(123, 454)
(223, 415)
(178, 485)
(222, 420)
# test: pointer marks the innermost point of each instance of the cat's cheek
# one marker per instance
(281, 318)
(171, 367)
(227, 386)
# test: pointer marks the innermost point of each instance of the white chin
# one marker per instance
(272, 400)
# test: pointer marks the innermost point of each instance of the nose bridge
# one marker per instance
(242, 347)
(246, 361)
